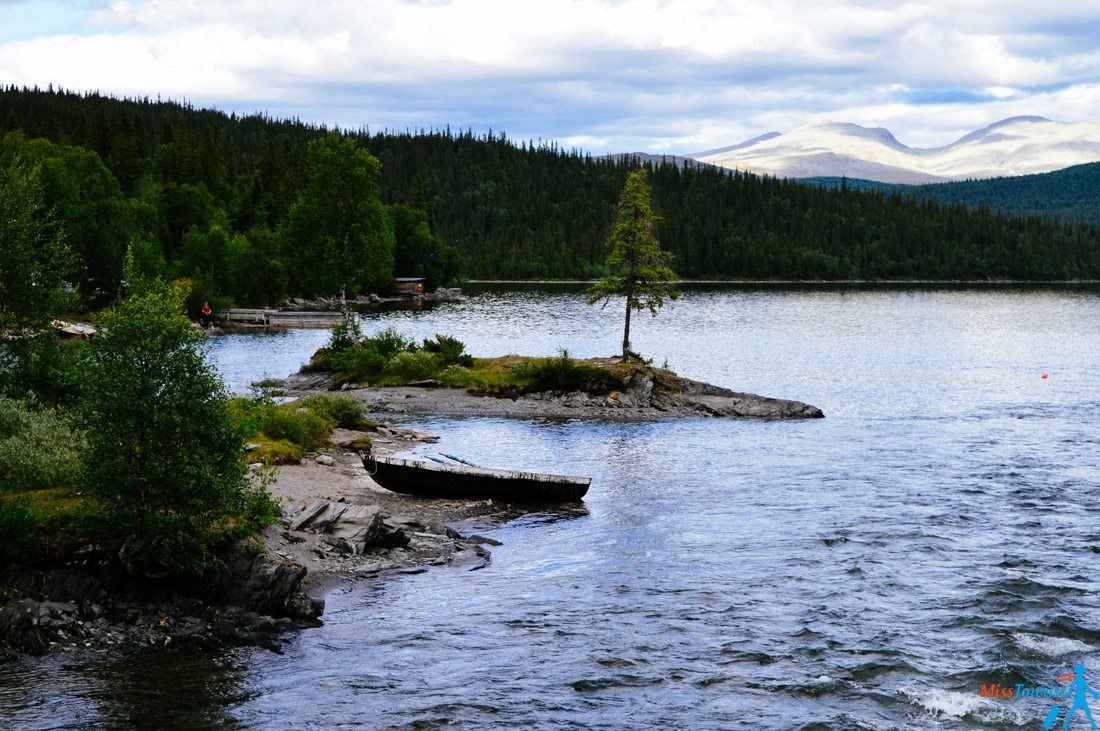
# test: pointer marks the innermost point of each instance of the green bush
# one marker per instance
(390, 357)
(163, 455)
(340, 338)
(415, 366)
(38, 449)
(343, 411)
(451, 351)
(361, 364)
(248, 414)
(171, 542)
(455, 376)
(296, 424)
(320, 361)
(45, 365)
(360, 444)
(266, 388)
(563, 374)
(256, 509)
(390, 342)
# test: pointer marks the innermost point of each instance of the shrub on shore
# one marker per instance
(564, 374)
(388, 358)
(342, 411)
(297, 425)
(38, 448)
(164, 456)
(276, 452)
(285, 432)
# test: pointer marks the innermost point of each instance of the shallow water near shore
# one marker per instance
(938, 531)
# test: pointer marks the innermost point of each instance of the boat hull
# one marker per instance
(460, 482)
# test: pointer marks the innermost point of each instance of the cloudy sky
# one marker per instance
(664, 76)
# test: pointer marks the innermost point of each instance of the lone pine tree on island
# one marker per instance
(639, 267)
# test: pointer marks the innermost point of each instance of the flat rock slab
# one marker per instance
(751, 406)
(710, 401)
(349, 527)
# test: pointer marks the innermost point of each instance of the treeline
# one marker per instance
(207, 196)
(1071, 195)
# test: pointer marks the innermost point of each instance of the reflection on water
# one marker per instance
(935, 532)
(185, 689)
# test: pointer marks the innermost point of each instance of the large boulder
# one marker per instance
(262, 582)
(349, 527)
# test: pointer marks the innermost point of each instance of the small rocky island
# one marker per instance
(619, 391)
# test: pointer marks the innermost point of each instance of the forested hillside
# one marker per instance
(206, 196)
(1071, 195)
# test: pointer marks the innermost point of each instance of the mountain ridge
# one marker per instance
(1015, 146)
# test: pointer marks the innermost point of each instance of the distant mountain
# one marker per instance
(1012, 147)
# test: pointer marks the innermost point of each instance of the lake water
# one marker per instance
(937, 531)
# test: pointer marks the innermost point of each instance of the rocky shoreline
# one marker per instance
(93, 604)
(409, 535)
(267, 587)
(640, 401)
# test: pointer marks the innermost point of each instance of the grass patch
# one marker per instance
(390, 359)
(49, 524)
(360, 444)
(277, 451)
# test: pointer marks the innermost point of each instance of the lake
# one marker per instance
(938, 531)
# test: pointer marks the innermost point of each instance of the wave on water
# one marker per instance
(944, 704)
(1049, 646)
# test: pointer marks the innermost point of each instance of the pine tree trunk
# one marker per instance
(626, 332)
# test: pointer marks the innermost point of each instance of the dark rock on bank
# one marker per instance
(93, 603)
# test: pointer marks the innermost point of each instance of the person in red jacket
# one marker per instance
(206, 311)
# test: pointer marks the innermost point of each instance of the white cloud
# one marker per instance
(649, 75)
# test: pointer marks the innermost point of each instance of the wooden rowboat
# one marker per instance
(466, 482)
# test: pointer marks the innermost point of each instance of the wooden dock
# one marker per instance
(280, 318)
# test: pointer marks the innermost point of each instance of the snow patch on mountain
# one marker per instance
(1015, 146)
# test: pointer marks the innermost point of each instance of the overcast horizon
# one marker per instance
(597, 75)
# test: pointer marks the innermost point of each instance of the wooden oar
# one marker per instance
(459, 459)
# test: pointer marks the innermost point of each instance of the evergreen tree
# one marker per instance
(640, 271)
